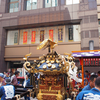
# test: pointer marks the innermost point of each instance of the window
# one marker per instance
(99, 22)
(92, 5)
(12, 37)
(91, 45)
(51, 3)
(75, 1)
(31, 4)
(14, 6)
(99, 27)
(60, 35)
(70, 30)
(62, 2)
(69, 2)
(91, 0)
(99, 30)
(47, 1)
(56, 2)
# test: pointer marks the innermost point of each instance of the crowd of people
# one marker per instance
(91, 91)
(7, 83)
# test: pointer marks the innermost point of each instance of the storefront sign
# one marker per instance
(70, 33)
(16, 38)
(51, 34)
(25, 38)
(91, 61)
(60, 35)
(41, 35)
(33, 36)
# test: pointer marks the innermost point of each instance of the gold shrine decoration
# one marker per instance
(52, 68)
(69, 55)
(26, 56)
(46, 43)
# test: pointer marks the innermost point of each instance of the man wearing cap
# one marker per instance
(2, 81)
(7, 91)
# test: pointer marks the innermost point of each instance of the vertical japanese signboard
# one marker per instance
(33, 36)
(41, 35)
(16, 38)
(70, 33)
(60, 35)
(25, 37)
(51, 34)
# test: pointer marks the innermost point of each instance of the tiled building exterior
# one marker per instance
(98, 10)
(77, 20)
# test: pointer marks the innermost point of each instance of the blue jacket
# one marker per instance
(93, 94)
(7, 92)
(27, 83)
(87, 87)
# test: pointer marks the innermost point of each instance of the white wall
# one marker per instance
(76, 31)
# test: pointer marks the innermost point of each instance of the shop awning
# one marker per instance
(86, 53)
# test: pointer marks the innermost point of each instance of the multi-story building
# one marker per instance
(26, 23)
(98, 10)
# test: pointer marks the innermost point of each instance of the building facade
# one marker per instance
(26, 23)
(98, 10)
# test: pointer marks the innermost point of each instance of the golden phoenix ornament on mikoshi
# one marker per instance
(57, 70)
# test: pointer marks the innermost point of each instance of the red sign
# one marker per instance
(33, 36)
(97, 61)
(25, 38)
(91, 61)
(51, 34)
